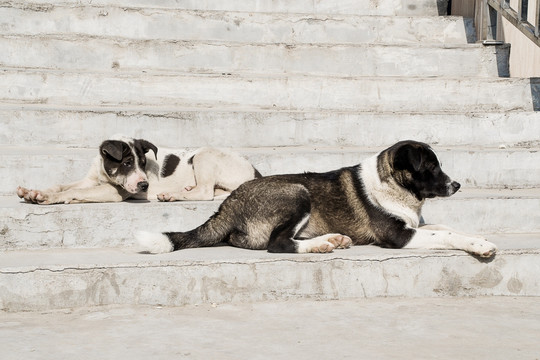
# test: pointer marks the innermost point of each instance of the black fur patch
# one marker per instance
(118, 158)
(170, 163)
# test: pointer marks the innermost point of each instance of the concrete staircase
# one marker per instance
(307, 86)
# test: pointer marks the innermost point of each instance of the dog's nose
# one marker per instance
(142, 186)
(455, 186)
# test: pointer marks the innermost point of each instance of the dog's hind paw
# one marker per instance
(340, 241)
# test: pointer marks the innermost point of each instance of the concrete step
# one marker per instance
(28, 226)
(111, 55)
(87, 127)
(413, 328)
(179, 25)
(357, 7)
(41, 167)
(269, 92)
(60, 278)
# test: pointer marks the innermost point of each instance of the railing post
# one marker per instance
(480, 20)
(537, 19)
(520, 11)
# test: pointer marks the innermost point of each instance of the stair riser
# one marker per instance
(298, 93)
(339, 60)
(484, 169)
(235, 27)
(177, 129)
(347, 7)
(113, 225)
(183, 284)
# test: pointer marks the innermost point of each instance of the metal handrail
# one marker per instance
(488, 17)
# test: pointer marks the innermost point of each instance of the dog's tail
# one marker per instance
(212, 232)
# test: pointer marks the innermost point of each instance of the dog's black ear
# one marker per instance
(112, 148)
(409, 157)
(147, 146)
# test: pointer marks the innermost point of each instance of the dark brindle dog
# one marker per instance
(376, 202)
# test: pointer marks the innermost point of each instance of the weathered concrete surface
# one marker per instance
(28, 226)
(168, 25)
(385, 328)
(39, 167)
(357, 7)
(55, 279)
(266, 92)
(87, 127)
(207, 57)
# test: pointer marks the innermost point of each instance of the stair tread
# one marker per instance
(55, 259)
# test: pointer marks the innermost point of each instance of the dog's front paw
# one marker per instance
(42, 198)
(22, 192)
(482, 248)
(32, 196)
(166, 197)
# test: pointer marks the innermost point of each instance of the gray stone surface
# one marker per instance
(87, 127)
(28, 226)
(233, 27)
(385, 328)
(224, 91)
(356, 7)
(66, 278)
(111, 55)
(39, 167)
(301, 79)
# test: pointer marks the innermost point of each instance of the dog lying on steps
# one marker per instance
(378, 202)
(128, 168)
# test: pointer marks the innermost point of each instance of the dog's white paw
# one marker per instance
(340, 241)
(323, 244)
(166, 197)
(323, 247)
(34, 196)
(482, 247)
(21, 192)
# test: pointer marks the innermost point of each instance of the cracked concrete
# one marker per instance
(348, 7)
(478, 167)
(87, 127)
(69, 278)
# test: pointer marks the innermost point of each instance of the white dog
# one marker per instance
(125, 169)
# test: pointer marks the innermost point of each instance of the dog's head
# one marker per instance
(124, 162)
(417, 169)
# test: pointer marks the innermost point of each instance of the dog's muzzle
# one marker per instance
(143, 186)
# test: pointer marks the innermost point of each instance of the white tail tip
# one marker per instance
(153, 243)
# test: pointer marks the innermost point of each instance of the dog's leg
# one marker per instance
(447, 228)
(199, 192)
(430, 237)
(100, 193)
(294, 219)
(30, 195)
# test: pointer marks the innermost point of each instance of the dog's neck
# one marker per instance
(388, 194)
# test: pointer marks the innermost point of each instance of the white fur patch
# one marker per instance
(389, 195)
(309, 245)
(153, 243)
